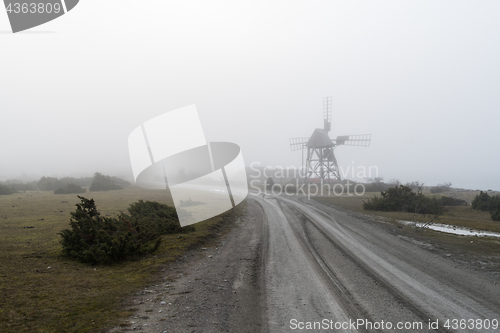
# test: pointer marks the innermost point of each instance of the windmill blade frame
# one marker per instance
(298, 143)
(327, 113)
(360, 140)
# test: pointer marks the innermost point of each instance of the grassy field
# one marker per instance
(41, 291)
(463, 216)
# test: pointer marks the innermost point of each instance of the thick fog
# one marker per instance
(423, 77)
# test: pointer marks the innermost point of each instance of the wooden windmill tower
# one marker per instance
(321, 164)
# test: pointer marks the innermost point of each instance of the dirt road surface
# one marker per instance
(292, 264)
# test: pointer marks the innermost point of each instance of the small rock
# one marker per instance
(163, 303)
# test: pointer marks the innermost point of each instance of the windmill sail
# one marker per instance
(362, 140)
(298, 143)
(327, 114)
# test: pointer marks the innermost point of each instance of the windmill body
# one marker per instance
(320, 164)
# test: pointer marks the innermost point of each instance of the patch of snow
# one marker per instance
(454, 229)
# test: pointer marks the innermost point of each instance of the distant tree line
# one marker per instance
(440, 188)
(65, 185)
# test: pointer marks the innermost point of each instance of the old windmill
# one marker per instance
(321, 164)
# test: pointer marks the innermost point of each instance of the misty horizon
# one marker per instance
(420, 77)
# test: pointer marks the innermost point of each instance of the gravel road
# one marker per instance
(292, 264)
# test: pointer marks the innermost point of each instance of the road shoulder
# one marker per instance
(215, 288)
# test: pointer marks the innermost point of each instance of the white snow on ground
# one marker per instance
(454, 229)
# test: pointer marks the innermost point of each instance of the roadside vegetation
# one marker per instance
(96, 239)
(457, 210)
(409, 198)
(45, 290)
(404, 199)
(484, 202)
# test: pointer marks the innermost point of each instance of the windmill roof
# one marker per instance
(320, 138)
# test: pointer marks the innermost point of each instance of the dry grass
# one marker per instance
(41, 291)
(462, 216)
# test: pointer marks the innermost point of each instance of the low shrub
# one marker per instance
(403, 199)
(483, 201)
(156, 216)
(449, 201)
(82, 181)
(103, 183)
(70, 188)
(6, 190)
(96, 239)
(49, 184)
(495, 216)
(120, 181)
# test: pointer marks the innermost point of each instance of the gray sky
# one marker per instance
(422, 76)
